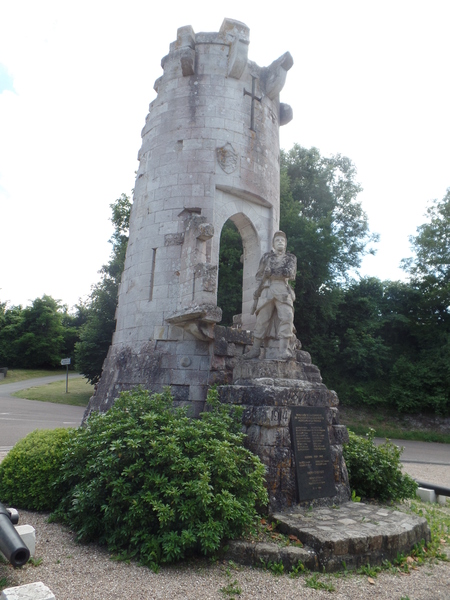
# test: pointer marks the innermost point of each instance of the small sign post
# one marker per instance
(66, 361)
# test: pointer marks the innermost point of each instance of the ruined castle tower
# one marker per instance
(210, 152)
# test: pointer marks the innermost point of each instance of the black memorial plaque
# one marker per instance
(311, 446)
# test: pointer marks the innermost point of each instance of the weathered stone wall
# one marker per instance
(268, 389)
(210, 152)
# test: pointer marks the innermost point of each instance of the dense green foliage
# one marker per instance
(29, 471)
(375, 471)
(229, 293)
(391, 340)
(36, 336)
(96, 333)
(376, 342)
(151, 483)
(328, 232)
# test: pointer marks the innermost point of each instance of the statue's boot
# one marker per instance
(285, 353)
(255, 351)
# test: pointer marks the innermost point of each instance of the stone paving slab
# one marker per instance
(354, 533)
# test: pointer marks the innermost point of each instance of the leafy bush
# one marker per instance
(28, 472)
(375, 472)
(151, 483)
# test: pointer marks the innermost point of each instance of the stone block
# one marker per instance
(253, 435)
(230, 363)
(236, 336)
(173, 239)
(217, 362)
(30, 591)
(28, 535)
(269, 416)
(240, 552)
(426, 495)
(219, 378)
(338, 434)
(291, 556)
(160, 332)
(267, 552)
(192, 347)
(180, 393)
(254, 369)
(221, 347)
(188, 377)
(271, 436)
(175, 333)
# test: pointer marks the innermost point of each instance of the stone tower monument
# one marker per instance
(210, 152)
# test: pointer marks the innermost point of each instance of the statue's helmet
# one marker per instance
(279, 234)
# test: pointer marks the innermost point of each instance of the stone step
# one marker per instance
(275, 369)
(343, 537)
(304, 394)
(354, 533)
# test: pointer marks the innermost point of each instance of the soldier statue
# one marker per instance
(274, 298)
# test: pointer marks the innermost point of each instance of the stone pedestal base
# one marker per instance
(268, 389)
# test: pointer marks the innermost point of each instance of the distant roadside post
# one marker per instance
(66, 361)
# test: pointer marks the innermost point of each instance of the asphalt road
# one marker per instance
(19, 417)
(427, 453)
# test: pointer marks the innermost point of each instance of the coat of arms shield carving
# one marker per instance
(227, 158)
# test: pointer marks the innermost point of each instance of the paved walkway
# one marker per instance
(18, 417)
(425, 461)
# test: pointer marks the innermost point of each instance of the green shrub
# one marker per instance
(151, 483)
(29, 470)
(375, 472)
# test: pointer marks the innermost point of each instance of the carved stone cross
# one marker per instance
(253, 97)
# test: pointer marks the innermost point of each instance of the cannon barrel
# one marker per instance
(11, 544)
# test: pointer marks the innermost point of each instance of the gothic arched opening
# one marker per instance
(229, 292)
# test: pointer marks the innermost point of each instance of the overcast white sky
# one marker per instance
(370, 81)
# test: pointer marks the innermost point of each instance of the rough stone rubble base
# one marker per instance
(30, 591)
(268, 389)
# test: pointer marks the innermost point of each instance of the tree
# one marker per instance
(229, 293)
(97, 331)
(9, 331)
(431, 245)
(327, 230)
(37, 336)
(429, 271)
(40, 334)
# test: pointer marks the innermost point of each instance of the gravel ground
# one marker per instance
(71, 571)
(86, 572)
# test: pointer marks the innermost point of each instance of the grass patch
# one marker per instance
(391, 425)
(79, 392)
(15, 375)
(438, 517)
(393, 433)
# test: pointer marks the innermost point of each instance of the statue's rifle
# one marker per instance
(257, 294)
